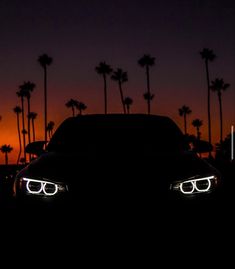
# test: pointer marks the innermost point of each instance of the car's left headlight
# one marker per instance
(36, 187)
(195, 185)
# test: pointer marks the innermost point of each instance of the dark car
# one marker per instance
(114, 160)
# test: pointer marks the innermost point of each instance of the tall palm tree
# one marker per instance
(147, 61)
(219, 86)
(183, 112)
(18, 110)
(197, 124)
(81, 107)
(50, 127)
(104, 69)
(45, 61)
(128, 102)
(28, 87)
(72, 104)
(22, 94)
(208, 56)
(120, 76)
(148, 97)
(32, 116)
(6, 149)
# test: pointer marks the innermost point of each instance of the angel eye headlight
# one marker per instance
(41, 187)
(195, 185)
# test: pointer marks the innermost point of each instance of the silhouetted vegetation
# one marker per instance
(104, 70)
(147, 61)
(72, 104)
(224, 149)
(45, 61)
(197, 124)
(219, 86)
(208, 56)
(18, 110)
(120, 76)
(128, 102)
(81, 107)
(6, 149)
(32, 116)
(28, 87)
(25, 90)
(183, 112)
(50, 128)
(22, 94)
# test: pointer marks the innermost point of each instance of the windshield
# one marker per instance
(117, 137)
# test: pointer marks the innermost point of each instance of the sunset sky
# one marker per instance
(78, 34)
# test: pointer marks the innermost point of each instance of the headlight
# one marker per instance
(195, 185)
(40, 187)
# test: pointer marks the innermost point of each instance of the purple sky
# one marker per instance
(80, 34)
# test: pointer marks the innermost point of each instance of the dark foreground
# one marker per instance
(210, 216)
(165, 232)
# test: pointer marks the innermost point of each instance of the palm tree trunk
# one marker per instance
(45, 102)
(20, 145)
(105, 94)
(122, 98)
(33, 130)
(208, 101)
(6, 158)
(73, 112)
(221, 117)
(148, 88)
(198, 136)
(23, 126)
(128, 109)
(185, 125)
(29, 138)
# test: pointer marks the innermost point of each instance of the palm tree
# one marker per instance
(18, 110)
(45, 61)
(32, 116)
(50, 127)
(184, 111)
(128, 102)
(219, 86)
(22, 94)
(147, 61)
(197, 124)
(81, 107)
(120, 76)
(148, 97)
(28, 87)
(6, 149)
(104, 69)
(72, 104)
(208, 56)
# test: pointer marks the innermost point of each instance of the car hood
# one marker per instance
(165, 168)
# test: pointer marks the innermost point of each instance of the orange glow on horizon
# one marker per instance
(93, 97)
(9, 133)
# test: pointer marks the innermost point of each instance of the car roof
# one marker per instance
(119, 119)
(123, 127)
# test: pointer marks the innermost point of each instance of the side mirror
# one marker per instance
(36, 148)
(201, 146)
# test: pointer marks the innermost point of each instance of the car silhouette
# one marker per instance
(113, 160)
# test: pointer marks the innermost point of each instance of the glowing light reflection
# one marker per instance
(42, 189)
(194, 185)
